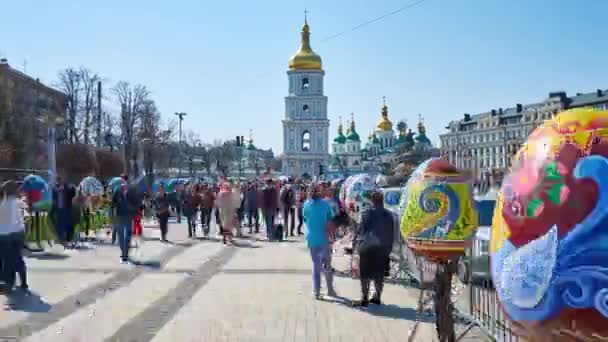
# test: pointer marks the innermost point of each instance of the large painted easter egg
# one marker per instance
(356, 194)
(438, 203)
(549, 244)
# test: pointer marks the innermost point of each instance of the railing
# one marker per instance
(477, 303)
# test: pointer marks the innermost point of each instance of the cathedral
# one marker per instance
(305, 125)
(382, 148)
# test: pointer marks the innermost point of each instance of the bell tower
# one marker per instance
(305, 124)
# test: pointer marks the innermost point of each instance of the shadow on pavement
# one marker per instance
(209, 238)
(389, 311)
(47, 256)
(244, 244)
(26, 301)
(148, 264)
(398, 312)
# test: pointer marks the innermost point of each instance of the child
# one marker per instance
(137, 227)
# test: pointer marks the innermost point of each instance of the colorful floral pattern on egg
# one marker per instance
(540, 198)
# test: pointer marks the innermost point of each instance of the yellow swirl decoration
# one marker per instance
(415, 219)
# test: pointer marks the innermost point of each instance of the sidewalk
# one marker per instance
(200, 290)
(265, 294)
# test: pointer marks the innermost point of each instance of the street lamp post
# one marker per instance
(181, 118)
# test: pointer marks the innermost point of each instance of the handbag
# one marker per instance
(368, 242)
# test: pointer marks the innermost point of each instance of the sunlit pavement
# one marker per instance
(198, 290)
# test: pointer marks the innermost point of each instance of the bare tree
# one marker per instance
(223, 155)
(154, 136)
(132, 100)
(88, 82)
(70, 83)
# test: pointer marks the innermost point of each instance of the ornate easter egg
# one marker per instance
(356, 194)
(549, 244)
(38, 192)
(437, 203)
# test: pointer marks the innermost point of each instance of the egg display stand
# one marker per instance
(444, 253)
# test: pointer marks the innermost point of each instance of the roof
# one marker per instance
(28, 78)
(589, 99)
(579, 100)
(353, 135)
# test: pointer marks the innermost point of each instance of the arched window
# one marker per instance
(306, 141)
(305, 83)
(305, 108)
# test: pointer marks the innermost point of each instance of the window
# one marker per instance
(305, 83)
(305, 108)
(306, 141)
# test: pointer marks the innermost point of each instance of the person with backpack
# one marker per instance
(374, 244)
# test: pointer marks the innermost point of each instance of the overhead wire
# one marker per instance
(361, 25)
(401, 9)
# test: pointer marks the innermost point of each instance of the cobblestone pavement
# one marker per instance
(198, 290)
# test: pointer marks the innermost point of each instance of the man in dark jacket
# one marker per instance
(124, 206)
(375, 243)
(191, 202)
(63, 194)
(251, 207)
(288, 201)
(269, 207)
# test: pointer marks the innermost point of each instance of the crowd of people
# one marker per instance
(282, 208)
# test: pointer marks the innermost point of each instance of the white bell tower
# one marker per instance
(305, 126)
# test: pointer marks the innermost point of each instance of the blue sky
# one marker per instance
(224, 62)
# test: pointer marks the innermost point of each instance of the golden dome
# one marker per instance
(305, 58)
(384, 124)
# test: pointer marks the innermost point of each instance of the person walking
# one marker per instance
(288, 201)
(317, 214)
(12, 236)
(63, 194)
(237, 200)
(301, 199)
(374, 244)
(251, 207)
(269, 207)
(138, 228)
(218, 221)
(122, 220)
(162, 212)
(226, 205)
(189, 205)
(208, 201)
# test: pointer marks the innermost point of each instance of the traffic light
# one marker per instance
(321, 170)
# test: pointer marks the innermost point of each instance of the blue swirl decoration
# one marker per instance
(542, 278)
(391, 198)
(432, 205)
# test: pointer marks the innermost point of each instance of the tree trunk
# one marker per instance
(443, 301)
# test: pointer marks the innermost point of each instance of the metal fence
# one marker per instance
(476, 303)
(485, 312)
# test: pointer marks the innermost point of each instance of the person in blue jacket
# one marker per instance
(317, 214)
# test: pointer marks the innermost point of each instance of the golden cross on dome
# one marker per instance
(384, 100)
(420, 118)
(305, 13)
